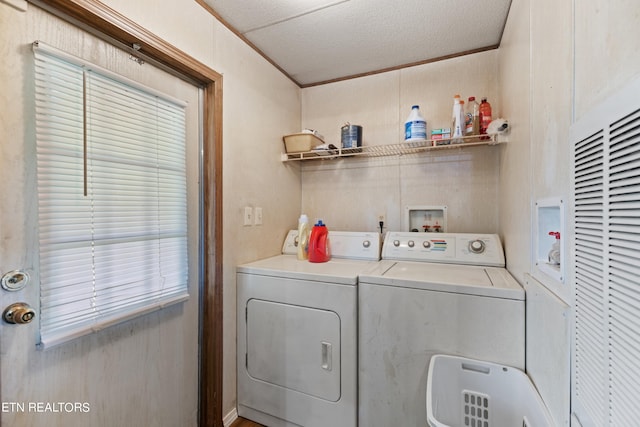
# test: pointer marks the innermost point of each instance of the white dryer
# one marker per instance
(297, 334)
(432, 293)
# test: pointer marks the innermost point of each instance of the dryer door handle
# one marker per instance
(326, 356)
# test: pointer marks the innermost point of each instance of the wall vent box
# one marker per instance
(426, 219)
(549, 219)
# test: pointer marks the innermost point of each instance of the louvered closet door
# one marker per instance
(606, 246)
(624, 270)
(589, 309)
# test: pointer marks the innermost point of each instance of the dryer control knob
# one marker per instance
(426, 244)
(366, 243)
(396, 243)
(476, 246)
(411, 243)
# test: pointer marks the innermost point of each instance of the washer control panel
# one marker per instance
(454, 248)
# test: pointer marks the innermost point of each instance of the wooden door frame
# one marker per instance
(119, 30)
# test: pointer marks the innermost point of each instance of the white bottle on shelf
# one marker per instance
(415, 128)
(457, 121)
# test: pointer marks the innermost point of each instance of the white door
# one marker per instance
(140, 373)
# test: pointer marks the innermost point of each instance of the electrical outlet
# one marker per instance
(248, 215)
(258, 216)
(382, 221)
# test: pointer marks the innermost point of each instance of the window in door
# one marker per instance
(112, 198)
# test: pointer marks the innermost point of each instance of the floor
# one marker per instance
(241, 422)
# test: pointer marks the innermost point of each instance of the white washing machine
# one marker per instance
(297, 334)
(432, 293)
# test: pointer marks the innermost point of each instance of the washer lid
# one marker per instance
(461, 279)
(341, 271)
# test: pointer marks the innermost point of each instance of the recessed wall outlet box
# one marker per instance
(432, 219)
(549, 240)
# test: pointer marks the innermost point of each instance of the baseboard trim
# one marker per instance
(230, 417)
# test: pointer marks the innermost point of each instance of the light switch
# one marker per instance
(248, 215)
(258, 216)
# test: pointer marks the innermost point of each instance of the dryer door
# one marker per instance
(294, 347)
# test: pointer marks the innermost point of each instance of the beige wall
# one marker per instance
(607, 49)
(515, 162)
(350, 194)
(536, 98)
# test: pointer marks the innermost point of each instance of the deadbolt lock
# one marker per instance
(18, 313)
(14, 280)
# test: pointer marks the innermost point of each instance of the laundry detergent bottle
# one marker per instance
(319, 248)
(303, 237)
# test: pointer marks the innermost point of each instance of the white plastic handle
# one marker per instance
(326, 356)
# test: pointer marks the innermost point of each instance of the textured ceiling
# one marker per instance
(315, 41)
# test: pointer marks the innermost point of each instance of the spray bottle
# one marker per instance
(457, 121)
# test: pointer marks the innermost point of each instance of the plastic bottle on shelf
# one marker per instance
(319, 248)
(485, 117)
(457, 121)
(415, 128)
(472, 117)
(303, 237)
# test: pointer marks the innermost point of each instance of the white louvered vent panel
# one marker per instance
(624, 270)
(589, 184)
(589, 299)
(606, 246)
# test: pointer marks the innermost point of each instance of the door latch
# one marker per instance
(18, 313)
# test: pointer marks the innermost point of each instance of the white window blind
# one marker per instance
(112, 197)
(606, 192)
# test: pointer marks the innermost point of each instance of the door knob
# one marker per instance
(18, 313)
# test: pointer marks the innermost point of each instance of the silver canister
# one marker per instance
(351, 136)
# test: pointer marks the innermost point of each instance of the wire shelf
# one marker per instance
(391, 149)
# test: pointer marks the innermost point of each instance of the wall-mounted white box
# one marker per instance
(426, 219)
(549, 220)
